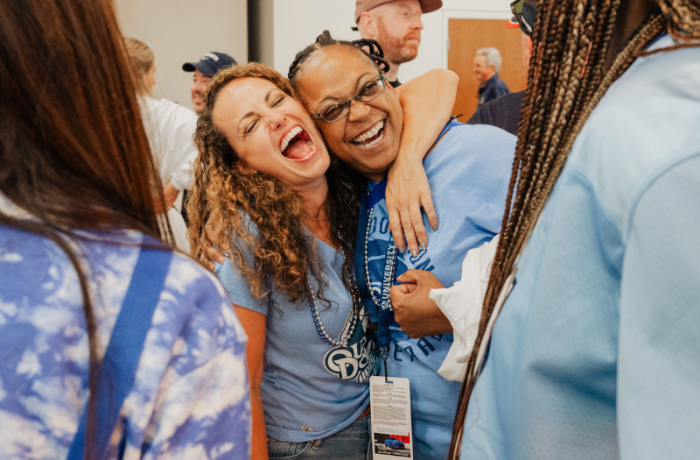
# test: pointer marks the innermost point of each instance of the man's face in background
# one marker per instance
(199, 85)
(399, 28)
(482, 71)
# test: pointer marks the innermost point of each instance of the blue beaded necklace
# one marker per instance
(354, 313)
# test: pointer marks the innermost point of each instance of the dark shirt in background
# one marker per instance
(491, 90)
(395, 84)
(502, 113)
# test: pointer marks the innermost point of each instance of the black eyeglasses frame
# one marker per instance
(345, 103)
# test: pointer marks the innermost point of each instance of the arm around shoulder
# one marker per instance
(427, 103)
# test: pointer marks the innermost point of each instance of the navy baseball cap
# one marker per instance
(210, 64)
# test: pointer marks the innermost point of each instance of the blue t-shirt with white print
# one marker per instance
(468, 172)
(310, 389)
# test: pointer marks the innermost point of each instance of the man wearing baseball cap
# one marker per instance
(396, 25)
(204, 70)
(504, 112)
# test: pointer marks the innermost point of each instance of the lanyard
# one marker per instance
(383, 303)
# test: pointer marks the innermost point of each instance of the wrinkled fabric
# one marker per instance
(595, 352)
(462, 304)
(170, 130)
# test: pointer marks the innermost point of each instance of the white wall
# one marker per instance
(297, 23)
(180, 31)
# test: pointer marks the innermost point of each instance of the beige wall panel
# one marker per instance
(179, 31)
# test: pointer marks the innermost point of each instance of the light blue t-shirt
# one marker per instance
(468, 172)
(596, 352)
(189, 397)
(309, 389)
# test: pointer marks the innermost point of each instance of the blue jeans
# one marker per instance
(352, 443)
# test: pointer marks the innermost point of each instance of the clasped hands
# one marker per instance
(416, 313)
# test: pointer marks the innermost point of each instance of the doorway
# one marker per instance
(466, 37)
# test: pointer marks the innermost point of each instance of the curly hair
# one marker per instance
(226, 201)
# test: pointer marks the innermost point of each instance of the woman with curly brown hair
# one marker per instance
(267, 187)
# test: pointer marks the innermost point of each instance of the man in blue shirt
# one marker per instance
(487, 64)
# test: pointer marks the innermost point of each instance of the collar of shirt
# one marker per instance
(491, 81)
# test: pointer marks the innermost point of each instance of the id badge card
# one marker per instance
(392, 435)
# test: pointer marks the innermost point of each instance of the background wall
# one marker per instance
(291, 25)
(180, 31)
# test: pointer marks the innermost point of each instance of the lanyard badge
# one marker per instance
(392, 435)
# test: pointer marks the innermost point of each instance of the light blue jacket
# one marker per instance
(596, 353)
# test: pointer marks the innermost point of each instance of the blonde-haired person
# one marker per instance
(286, 215)
(170, 128)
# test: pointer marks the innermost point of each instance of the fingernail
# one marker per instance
(414, 253)
(435, 227)
(402, 249)
(222, 260)
(423, 246)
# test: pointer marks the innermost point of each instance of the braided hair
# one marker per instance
(566, 81)
(369, 48)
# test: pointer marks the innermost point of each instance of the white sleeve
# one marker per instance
(462, 304)
(181, 147)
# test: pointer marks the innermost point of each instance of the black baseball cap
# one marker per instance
(210, 63)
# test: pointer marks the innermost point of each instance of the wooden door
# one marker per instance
(469, 35)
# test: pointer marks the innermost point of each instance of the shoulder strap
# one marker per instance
(116, 372)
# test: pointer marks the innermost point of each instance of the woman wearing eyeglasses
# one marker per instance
(286, 214)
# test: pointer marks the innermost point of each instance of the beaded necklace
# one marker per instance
(389, 270)
(354, 313)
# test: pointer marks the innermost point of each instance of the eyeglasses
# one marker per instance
(338, 109)
(517, 8)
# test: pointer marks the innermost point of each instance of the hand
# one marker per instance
(170, 194)
(406, 191)
(211, 253)
(415, 312)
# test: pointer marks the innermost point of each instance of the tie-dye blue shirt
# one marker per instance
(190, 395)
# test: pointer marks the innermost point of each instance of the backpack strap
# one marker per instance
(116, 373)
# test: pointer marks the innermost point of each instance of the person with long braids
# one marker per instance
(111, 345)
(467, 169)
(285, 214)
(588, 342)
